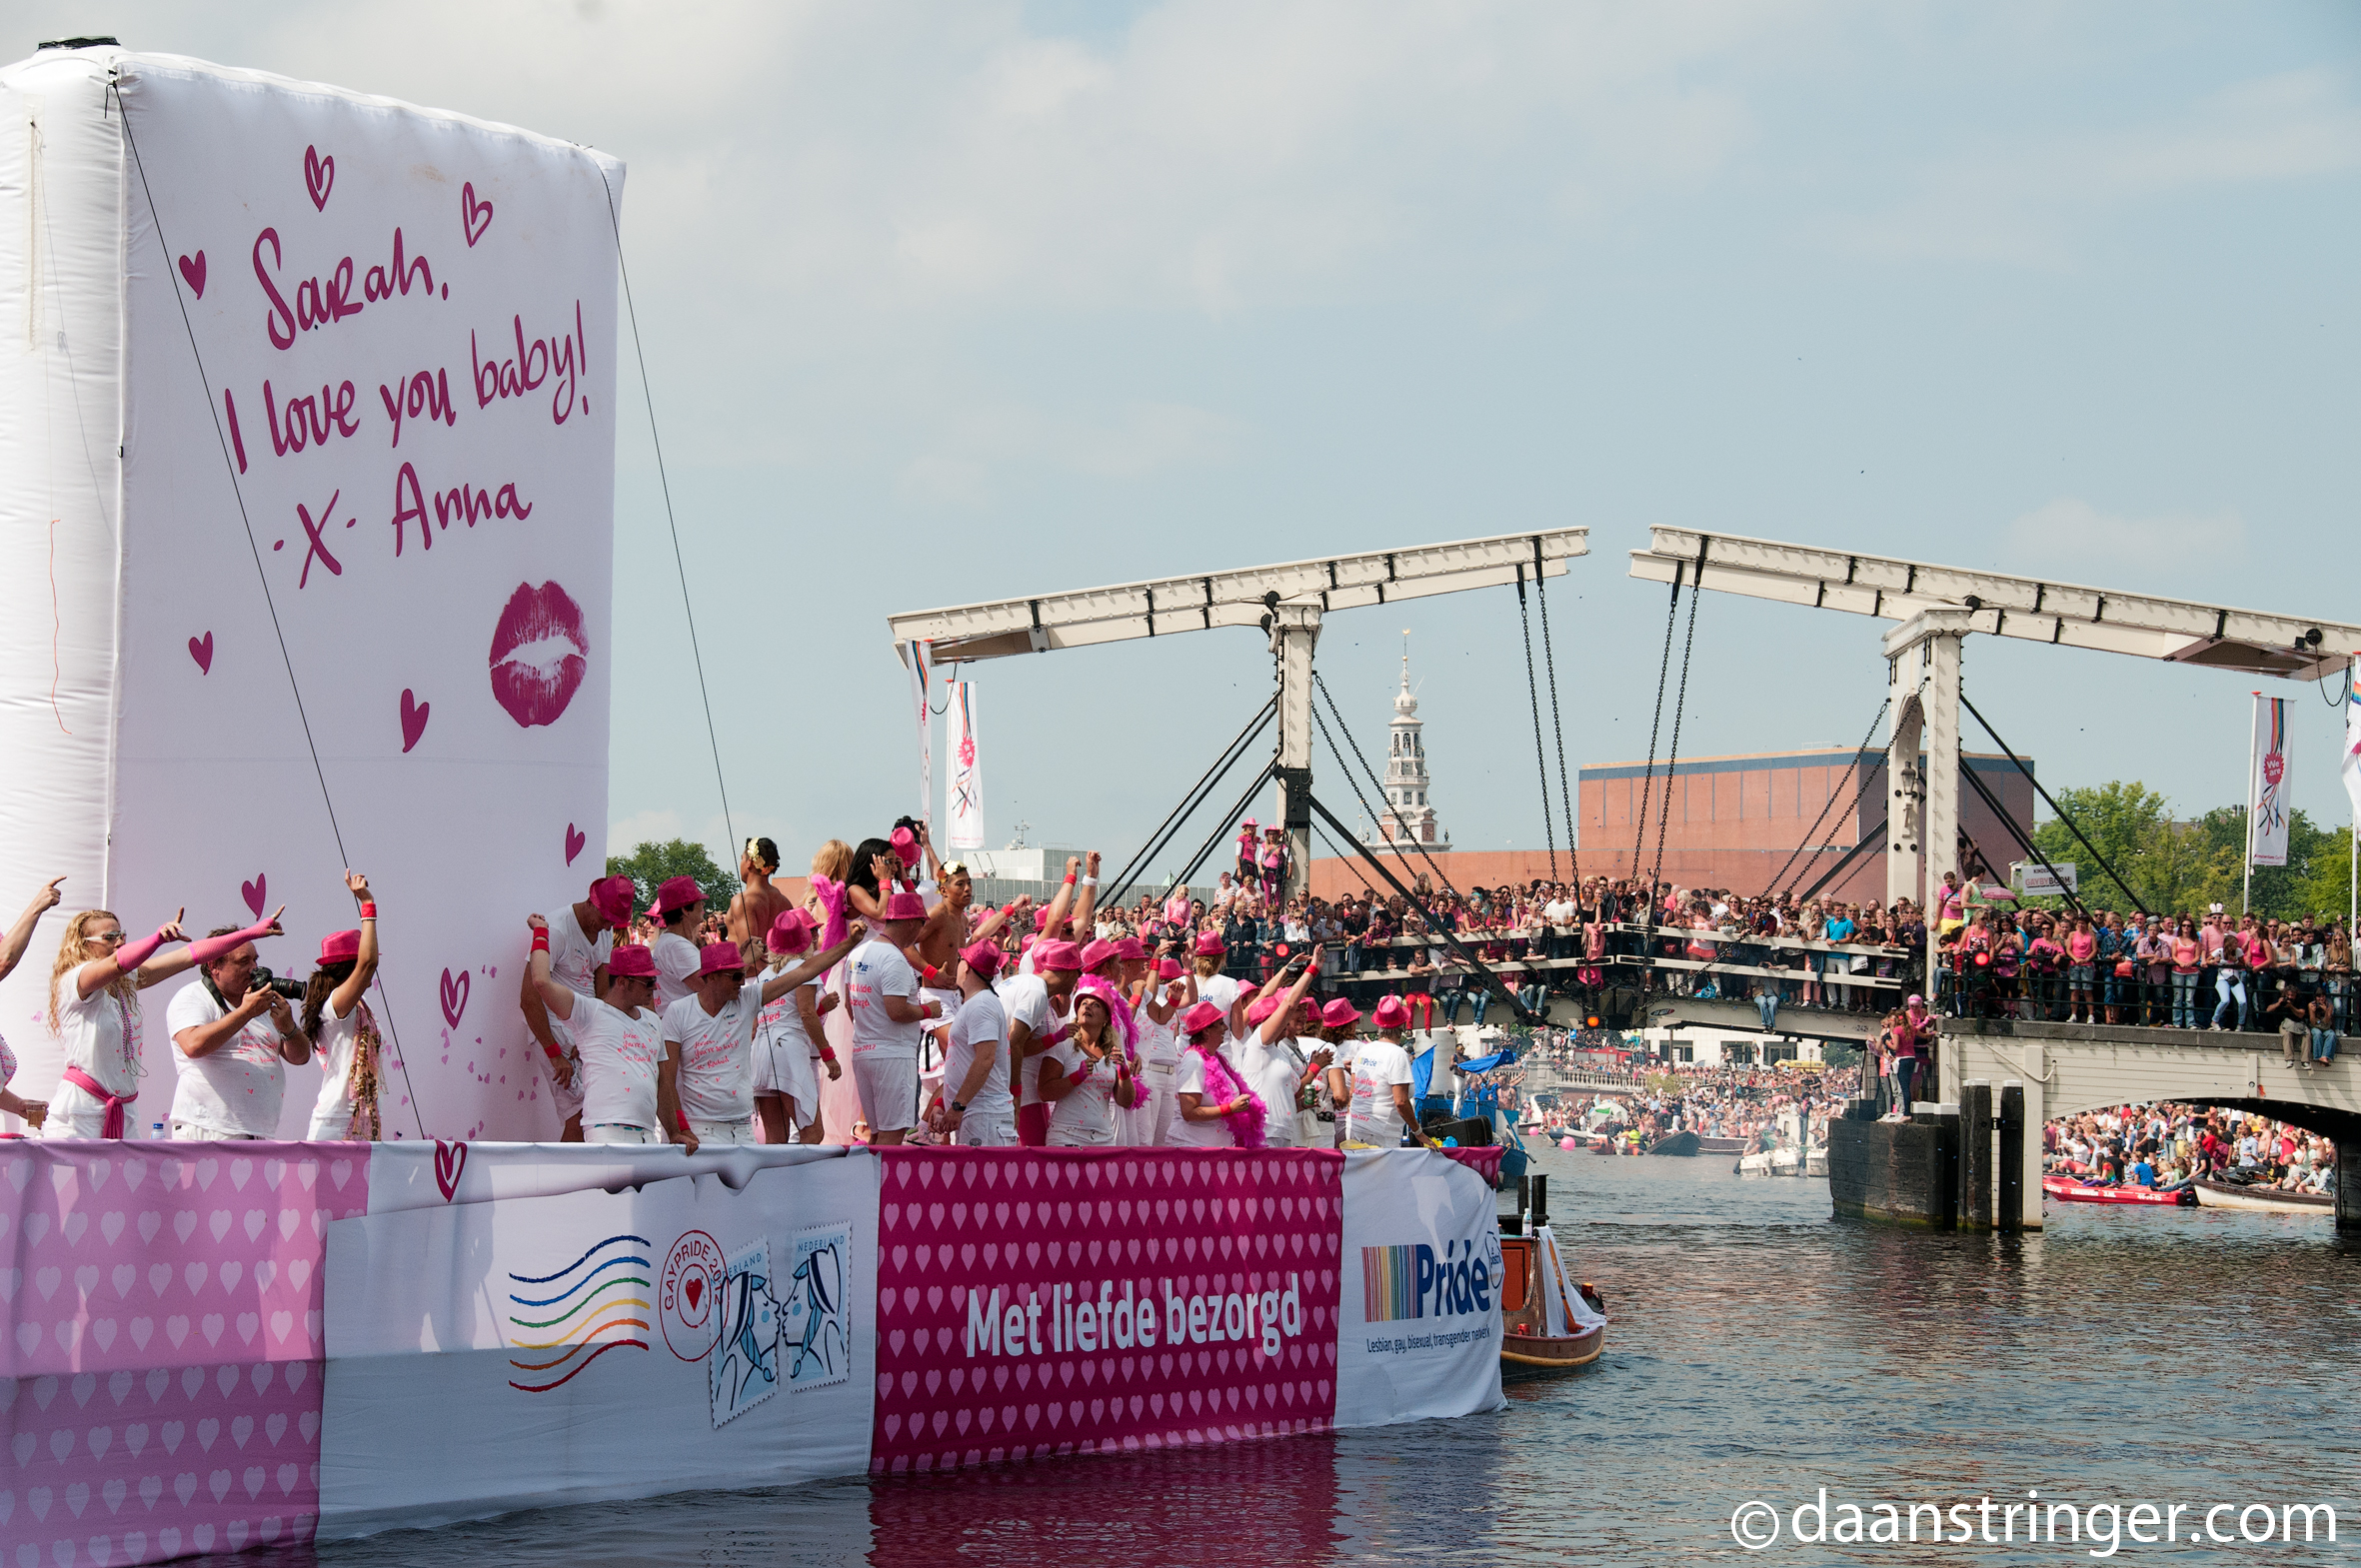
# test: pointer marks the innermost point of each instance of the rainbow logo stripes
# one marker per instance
(594, 1305)
(1419, 1281)
(1389, 1283)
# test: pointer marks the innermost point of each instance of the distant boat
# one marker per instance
(1682, 1144)
(2268, 1200)
(1706, 1145)
(2067, 1189)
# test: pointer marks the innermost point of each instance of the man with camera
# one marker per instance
(234, 1036)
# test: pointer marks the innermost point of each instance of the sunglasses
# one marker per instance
(106, 937)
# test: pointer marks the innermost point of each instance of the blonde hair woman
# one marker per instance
(96, 1013)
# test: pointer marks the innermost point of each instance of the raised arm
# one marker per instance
(126, 959)
(203, 951)
(1294, 998)
(813, 967)
(1088, 900)
(20, 936)
(559, 999)
(1001, 916)
(355, 985)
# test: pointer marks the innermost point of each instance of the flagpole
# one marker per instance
(2255, 723)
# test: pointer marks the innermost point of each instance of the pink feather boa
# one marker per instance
(833, 898)
(1222, 1085)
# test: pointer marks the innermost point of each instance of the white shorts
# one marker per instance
(722, 1132)
(190, 1133)
(951, 1007)
(984, 1132)
(614, 1132)
(790, 1071)
(566, 1097)
(889, 1087)
(330, 1129)
(74, 1112)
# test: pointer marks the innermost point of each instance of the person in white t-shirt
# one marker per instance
(579, 940)
(235, 1041)
(889, 1017)
(710, 1035)
(1089, 1076)
(1213, 1105)
(679, 905)
(1215, 986)
(1037, 1005)
(629, 1092)
(1381, 1106)
(341, 1030)
(791, 1045)
(97, 1017)
(1338, 1021)
(980, 1112)
(1270, 1063)
(1166, 994)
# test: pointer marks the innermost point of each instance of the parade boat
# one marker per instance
(1547, 1324)
(1679, 1143)
(2067, 1189)
(2261, 1199)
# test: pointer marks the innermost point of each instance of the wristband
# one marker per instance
(826, 1054)
(369, 911)
(540, 939)
(1089, 881)
(1069, 878)
(552, 1052)
(929, 974)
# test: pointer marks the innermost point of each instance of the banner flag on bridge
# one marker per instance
(2351, 767)
(965, 805)
(922, 669)
(2266, 796)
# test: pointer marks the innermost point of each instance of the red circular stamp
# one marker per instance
(688, 1295)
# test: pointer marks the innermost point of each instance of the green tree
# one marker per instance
(2279, 890)
(650, 865)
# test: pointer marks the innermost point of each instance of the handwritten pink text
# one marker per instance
(562, 359)
(462, 501)
(410, 396)
(320, 302)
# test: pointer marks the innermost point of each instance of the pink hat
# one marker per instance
(906, 906)
(1262, 1009)
(612, 896)
(905, 845)
(337, 947)
(1041, 918)
(632, 962)
(1339, 1015)
(1058, 956)
(1392, 1014)
(1250, 822)
(1097, 953)
(678, 893)
(983, 957)
(792, 931)
(1117, 1012)
(719, 957)
(1130, 951)
(1167, 968)
(1210, 945)
(1199, 1018)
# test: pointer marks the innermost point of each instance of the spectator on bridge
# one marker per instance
(2229, 983)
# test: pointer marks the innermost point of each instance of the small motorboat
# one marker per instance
(1682, 1144)
(2067, 1189)
(1540, 1334)
(1706, 1145)
(2266, 1200)
(1771, 1162)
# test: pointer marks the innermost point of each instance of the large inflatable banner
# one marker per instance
(306, 510)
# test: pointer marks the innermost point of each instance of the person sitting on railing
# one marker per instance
(1418, 994)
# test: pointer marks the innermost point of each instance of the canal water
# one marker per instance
(1759, 1352)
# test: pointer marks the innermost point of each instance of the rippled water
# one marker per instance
(1757, 1349)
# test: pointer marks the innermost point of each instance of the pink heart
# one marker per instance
(455, 989)
(201, 650)
(474, 216)
(319, 176)
(193, 269)
(414, 714)
(256, 891)
(574, 843)
(449, 1160)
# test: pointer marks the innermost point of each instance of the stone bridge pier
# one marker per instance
(2068, 1067)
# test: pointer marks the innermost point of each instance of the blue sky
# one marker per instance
(953, 303)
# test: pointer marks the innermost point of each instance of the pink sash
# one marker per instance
(112, 1126)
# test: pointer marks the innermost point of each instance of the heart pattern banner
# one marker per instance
(1056, 1301)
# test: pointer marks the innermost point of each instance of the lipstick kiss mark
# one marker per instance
(192, 269)
(538, 654)
(319, 177)
(414, 714)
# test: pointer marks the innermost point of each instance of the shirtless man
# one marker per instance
(756, 905)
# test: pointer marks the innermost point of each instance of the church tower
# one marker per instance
(1409, 818)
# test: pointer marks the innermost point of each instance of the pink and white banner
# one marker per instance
(2266, 801)
(1057, 1301)
(965, 800)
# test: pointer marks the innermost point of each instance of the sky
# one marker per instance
(942, 304)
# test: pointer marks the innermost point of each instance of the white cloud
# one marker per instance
(2070, 529)
(2026, 200)
(660, 826)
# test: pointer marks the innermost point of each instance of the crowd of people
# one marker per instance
(2168, 1145)
(1762, 1107)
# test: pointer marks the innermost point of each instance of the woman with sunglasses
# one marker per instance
(94, 991)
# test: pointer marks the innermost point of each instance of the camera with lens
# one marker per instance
(264, 979)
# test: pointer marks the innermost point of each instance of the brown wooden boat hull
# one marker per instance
(1544, 1353)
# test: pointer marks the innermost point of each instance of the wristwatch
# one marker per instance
(958, 1109)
